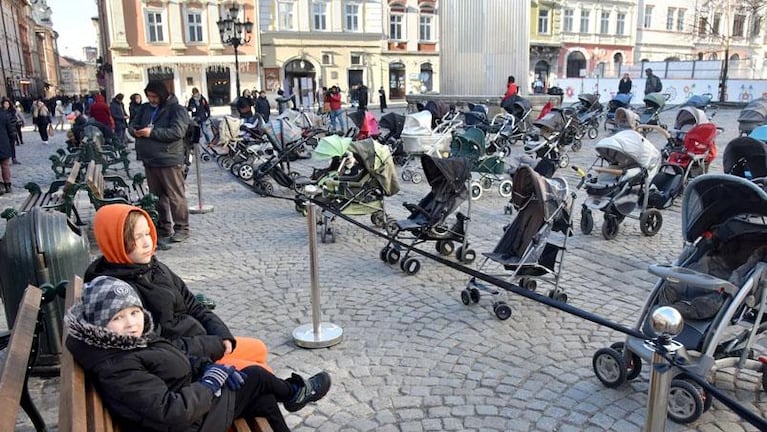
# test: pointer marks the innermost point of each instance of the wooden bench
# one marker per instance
(20, 354)
(80, 406)
(60, 197)
(118, 191)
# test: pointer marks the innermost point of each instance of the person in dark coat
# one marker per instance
(77, 104)
(652, 83)
(10, 110)
(119, 116)
(624, 85)
(134, 105)
(150, 385)
(6, 133)
(159, 128)
(262, 105)
(199, 108)
(362, 97)
(382, 98)
(244, 105)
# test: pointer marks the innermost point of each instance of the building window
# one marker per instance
(738, 25)
(620, 25)
(670, 18)
(154, 30)
(320, 15)
(585, 21)
(604, 24)
(568, 20)
(756, 26)
(285, 15)
(355, 60)
(352, 17)
(543, 21)
(424, 28)
(327, 58)
(648, 16)
(194, 26)
(680, 20)
(717, 21)
(702, 26)
(395, 27)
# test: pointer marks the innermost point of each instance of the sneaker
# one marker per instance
(45, 142)
(311, 390)
(179, 237)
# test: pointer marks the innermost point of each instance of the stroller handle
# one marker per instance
(655, 128)
(613, 171)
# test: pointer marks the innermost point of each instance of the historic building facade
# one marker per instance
(77, 77)
(545, 39)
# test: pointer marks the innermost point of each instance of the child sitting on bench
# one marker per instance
(149, 384)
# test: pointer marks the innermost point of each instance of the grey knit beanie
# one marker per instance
(104, 296)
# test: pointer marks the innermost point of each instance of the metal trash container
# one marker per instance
(40, 247)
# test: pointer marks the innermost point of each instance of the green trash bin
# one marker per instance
(41, 247)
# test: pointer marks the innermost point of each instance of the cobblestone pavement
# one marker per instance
(414, 358)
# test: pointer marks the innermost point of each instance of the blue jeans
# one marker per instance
(204, 131)
(338, 114)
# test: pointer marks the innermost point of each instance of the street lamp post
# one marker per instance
(235, 33)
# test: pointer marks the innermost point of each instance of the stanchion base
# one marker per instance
(201, 209)
(329, 334)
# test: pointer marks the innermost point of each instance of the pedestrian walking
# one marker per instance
(362, 97)
(336, 111)
(159, 128)
(652, 83)
(624, 85)
(10, 111)
(60, 114)
(382, 99)
(19, 122)
(42, 119)
(6, 132)
(119, 117)
(262, 105)
(199, 109)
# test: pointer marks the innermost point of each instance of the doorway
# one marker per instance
(218, 85)
(576, 62)
(300, 80)
(164, 74)
(396, 80)
(426, 77)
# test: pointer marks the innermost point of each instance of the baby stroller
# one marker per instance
(588, 111)
(361, 175)
(698, 151)
(557, 131)
(526, 248)
(718, 287)
(753, 115)
(366, 123)
(653, 105)
(419, 138)
(392, 123)
(687, 118)
(471, 145)
(745, 157)
(448, 179)
(440, 112)
(621, 100)
(510, 126)
(701, 101)
(619, 182)
(286, 141)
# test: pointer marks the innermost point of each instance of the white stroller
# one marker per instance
(418, 138)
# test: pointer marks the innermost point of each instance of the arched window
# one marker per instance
(575, 62)
(735, 57)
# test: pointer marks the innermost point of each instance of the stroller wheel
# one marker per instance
(508, 209)
(609, 367)
(592, 133)
(410, 266)
(474, 294)
(577, 145)
(632, 361)
(505, 188)
(486, 183)
(465, 297)
(245, 172)
(587, 221)
(476, 190)
(557, 295)
(377, 219)
(406, 175)
(226, 162)
(528, 284)
(564, 160)
(205, 157)
(392, 228)
(502, 311)
(610, 227)
(392, 256)
(650, 222)
(466, 257)
(685, 401)
(445, 247)
(417, 178)
(301, 209)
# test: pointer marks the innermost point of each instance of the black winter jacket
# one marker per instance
(6, 135)
(263, 108)
(147, 383)
(178, 315)
(165, 146)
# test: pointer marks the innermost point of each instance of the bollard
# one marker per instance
(317, 334)
(667, 322)
(200, 208)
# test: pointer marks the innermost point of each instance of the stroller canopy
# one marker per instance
(331, 146)
(589, 100)
(689, 116)
(621, 100)
(655, 100)
(447, 177)
(626, 119)
(531, 188)
(745, 154)
(712, 199)
(552, 122)
(517, 106)
(698, 101)
(392, 122)
(437, 109)
(759, 133)
(417, 124)
(378, 162)
(628, 149)
(754, 112)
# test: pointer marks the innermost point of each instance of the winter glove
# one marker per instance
(236, 380)
(215, 376)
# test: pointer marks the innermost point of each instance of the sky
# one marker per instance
(72, 21)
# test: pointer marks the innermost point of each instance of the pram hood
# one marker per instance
(698, 101)
(626, 119)
(621, 100)
(437, 109)
(589, 100)
(551, 122)
(712, 199)
(760, 133)
(331, 146)
(474, 139)
(754, 112)
(392, 122)
(752, 150)
(689, 116)
(628, 149)
(378, 162)
(655, 100)
(417, 123)
(517, 106)
(447, 177)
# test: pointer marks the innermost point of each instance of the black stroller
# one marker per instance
(558, 130)
(277, 164)
(508, 127)
(544, 206)
(752, 116)
(745, 157)
(588, 112)
(449, 180)
(393, 124)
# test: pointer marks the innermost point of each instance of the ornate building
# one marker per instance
(77, 77)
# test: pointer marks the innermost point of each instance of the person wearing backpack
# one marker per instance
(652, 83)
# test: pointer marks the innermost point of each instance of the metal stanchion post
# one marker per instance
(667, 322)
(200, 208)
(317, 334)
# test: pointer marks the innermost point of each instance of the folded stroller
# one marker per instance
(621, 100)
(361, 174)
(427, 221)
(619, 182)
(490, 168)
(418, 138)
(745, 157)
(526, 247)
(717, 285)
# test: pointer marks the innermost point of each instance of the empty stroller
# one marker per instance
(687, 118)
(419, 138)
(448, 179)
(361, 175)
(752, 116)
(588, 112)
(558, 129)
(621, 100)
(508, 127)
(287, 141)
(367, 125)
(490, 168)
(526, 248)
(621, 183)
(718, 286)
(698, 151)
(745, 157)
(392, 124)
(653, 105)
